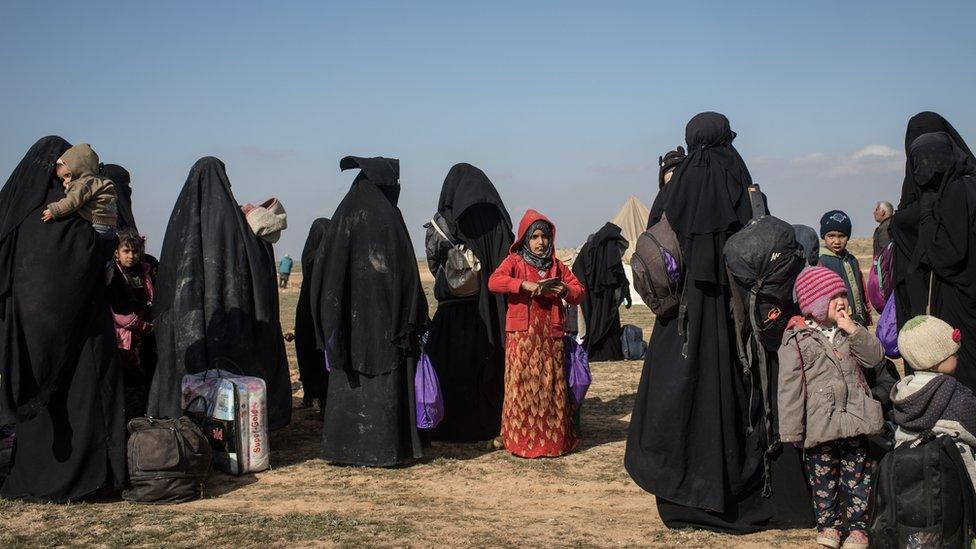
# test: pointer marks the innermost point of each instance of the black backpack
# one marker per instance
(922, 497)
(762, 260)
(169, 460)
(655, 248)
(632, 341)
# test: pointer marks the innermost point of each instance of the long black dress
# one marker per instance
(60, 379)
(912, 281)
(689, 441)
(466, 344)
(369, 310)
(945, 177)
(311, 360)
(600, 268)
(216, 303)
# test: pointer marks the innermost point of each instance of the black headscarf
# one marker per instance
(541, 262)
(122, 181)
(367, 301)
(808, 238)
(670, 160)
(706, 195)
(473, 208)
(936, 161)
(216, 303)
(311, 361)
(25, 190)
(918, 125)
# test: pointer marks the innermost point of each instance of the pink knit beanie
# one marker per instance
(815, 287)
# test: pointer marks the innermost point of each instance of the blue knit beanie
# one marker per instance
(835, 220)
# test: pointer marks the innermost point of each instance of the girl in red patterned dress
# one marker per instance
(537, 417)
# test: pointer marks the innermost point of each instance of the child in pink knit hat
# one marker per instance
(825, 405)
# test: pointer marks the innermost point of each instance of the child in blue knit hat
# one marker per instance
(835, 230)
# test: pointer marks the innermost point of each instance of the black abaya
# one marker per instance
(311, 360)
(466, 344)
(945, 250)
(696, 439)
(60, 379)
(216, 303)
(600, 268)
(912, 283)
(369, 310)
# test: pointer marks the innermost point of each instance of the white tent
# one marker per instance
(632, 220)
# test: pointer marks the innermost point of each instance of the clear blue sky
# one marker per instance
(565, 105)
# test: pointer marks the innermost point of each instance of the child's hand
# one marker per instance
(530, 287)
(845, 323)
(46, 216)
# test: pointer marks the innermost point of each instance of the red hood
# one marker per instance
(530, 217)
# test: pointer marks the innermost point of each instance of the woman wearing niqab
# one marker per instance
(942, 262)
(466, 343)
(599, 266)
(216, 301)
(369, 311)
(311, 360)
(696, 438)
(60, 379)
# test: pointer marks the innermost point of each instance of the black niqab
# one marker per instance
(311, 360)
(216, 303)
(369, 310)
(60, 379)
(123, 185)
(466, 344)
(599, 267)
(918, 125)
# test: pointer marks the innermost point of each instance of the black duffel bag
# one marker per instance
(169, 460)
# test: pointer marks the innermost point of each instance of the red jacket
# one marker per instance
(508, 277)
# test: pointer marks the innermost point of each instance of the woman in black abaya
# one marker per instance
(216, 302)
(466, 344)
(311, 360)
(60, 380)
(600, 268)
(122, 181)
(696, 439)
(369, 310)
(912, 281)
(945, 251)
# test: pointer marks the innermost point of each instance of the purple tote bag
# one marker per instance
(430, 402)
(577, 370)
(887, 330)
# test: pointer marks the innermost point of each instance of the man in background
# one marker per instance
(882, 214)
(284, 271)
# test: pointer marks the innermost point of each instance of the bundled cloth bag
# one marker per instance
(577, 370)
(266, 220)
(430, 402)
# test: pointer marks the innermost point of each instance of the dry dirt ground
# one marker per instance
(458, 495)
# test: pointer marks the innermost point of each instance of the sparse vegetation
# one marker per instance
(460, 494)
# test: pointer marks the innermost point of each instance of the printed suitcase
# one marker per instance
(232, 412)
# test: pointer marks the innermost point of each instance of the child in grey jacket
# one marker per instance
(825, 404)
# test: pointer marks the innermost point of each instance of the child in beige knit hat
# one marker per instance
(931, 399)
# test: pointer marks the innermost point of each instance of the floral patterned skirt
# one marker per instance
(537, 417)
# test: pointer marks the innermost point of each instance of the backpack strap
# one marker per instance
(440, 231)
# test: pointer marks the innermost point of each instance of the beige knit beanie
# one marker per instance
(925, 341)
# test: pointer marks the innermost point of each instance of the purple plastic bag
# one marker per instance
(577, 370)
(430, 402)
(887, 330)
(671, 265)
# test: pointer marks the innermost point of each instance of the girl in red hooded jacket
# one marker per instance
(537, 417)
